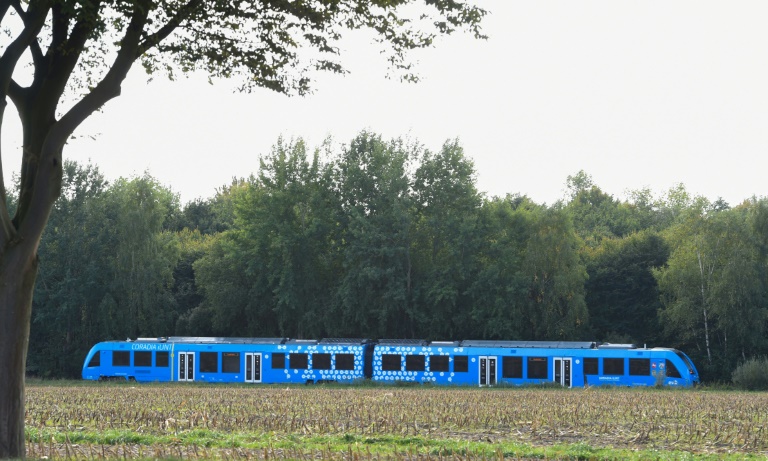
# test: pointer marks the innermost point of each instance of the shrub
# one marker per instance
(752, 375)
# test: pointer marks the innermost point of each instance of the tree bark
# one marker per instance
(18, 270)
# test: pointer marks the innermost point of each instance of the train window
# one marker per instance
(278, 361)
(511, 367)
(321, 361)
(345, 361)
(230, 362)
(96, 360)
(391, 362)
(142, 359)
(161, 359)
(298, 361)
(672, 371)
(438, 363)
(209, 362)
(460, 364)
(686, 361)
(590, 366)
(613, 366)
(121, 359)
(537, 367)
(639, 367)
(415, 363)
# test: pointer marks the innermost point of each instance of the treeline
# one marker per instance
(385, 239)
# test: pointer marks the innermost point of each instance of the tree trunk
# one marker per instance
(18, 270)
(704, 307)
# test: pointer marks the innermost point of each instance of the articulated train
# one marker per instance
(467, 363)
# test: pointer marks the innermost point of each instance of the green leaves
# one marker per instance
(261, 45)
(375, 291)
(382, 238)
(621, 292)
(109, 268)
(385, 239)
(714, 287)
(556, 307)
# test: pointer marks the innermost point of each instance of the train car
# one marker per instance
(228, 360)
(490, 363)
(420, 361)
(469, 363)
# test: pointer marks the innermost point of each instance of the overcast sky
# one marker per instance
(636, 93)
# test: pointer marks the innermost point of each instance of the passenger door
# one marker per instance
(252, 367)
(186, 366)
(563, 372)
(488, 370)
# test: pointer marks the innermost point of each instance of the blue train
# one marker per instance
(467, 363)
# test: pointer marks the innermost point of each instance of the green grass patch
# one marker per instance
(364, 447)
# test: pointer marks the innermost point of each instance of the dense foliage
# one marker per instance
(752, 375)
(383, 239)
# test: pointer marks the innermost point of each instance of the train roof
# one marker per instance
(223, 340)
(204, 340)
(531, 344)
(501, 344)
(344, 341)
(445, 343)
(616, 346)
(387, 342)
(403, 342)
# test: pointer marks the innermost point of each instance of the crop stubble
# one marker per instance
(267, 417)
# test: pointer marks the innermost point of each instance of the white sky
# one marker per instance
(636, 93)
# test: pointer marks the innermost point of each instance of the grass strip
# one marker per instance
(366, 447)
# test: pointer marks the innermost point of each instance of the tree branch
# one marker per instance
(6, 226)
(63, 55)
(4, 5)
(38, 105)
(16, 4)
(109, 86)
(37, 53)
(33, 23)
(14, 51)
(47, 184)
(59, 29)
(15, 93)
(34, 46)
(154, 39)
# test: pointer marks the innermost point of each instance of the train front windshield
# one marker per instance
(694, 374)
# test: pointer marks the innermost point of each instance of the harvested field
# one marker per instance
(162, 421)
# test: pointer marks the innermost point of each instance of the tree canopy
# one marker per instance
(381, 238)
(81, 51)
